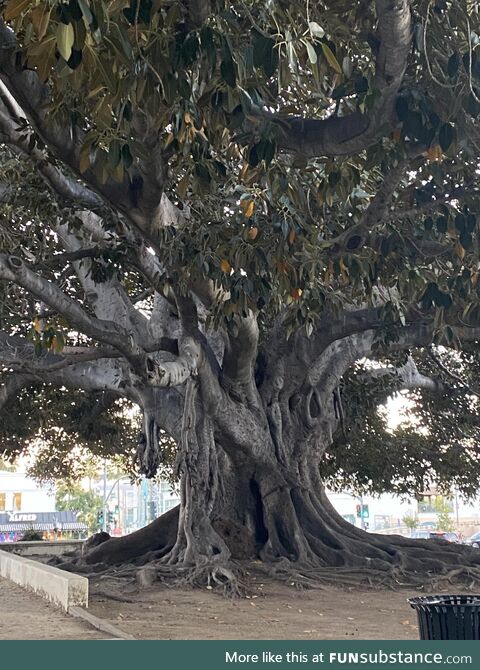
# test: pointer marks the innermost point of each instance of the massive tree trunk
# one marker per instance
(251, 488)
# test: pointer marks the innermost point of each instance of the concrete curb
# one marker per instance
(58, 548)
(100, 624)
(64, 589)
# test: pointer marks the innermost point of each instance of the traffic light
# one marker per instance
(362, 511)
(110, 517)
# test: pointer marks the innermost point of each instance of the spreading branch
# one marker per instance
(19, 354)
(351, 134)
(138, 197)
(12, 268)
(25, 143)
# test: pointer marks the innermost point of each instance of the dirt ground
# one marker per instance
(272, 611)
(25, 616)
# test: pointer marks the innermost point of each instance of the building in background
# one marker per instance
(19, 493)
(27, 506)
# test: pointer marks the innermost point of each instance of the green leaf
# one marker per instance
(465, 239)
(316, 29)
(428, 223)
(445, 136)
(312, 54)
(442, 224)
(14, 8)
(87, 14)
(65, 40)
(40, 16)
(361, 85)
(114, 154)
(253, 158)
(331, 59)
(347, 67)
(227, 70)
(471, 222)
(75, 10)
(460, 223)
(413, 124)
(75, 59)
(264, 53)
(127, 157)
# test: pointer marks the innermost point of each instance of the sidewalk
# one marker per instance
(24, 616)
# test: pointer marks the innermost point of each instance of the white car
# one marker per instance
(473, 540)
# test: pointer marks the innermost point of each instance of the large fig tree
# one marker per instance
(235, 203)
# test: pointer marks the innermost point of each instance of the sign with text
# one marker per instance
(251, 654)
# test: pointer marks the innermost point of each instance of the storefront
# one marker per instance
(50, 525)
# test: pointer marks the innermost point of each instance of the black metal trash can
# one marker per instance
(448, 617)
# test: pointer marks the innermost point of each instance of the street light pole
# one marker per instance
(104, 522)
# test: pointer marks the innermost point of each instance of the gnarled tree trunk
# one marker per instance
(251, 487)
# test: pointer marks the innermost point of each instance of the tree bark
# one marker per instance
(239, 503)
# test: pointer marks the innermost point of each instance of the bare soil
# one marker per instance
(273, 610)
(25, 616)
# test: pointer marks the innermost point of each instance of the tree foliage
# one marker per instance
(213, 104)
(86, 503)
(436, 443)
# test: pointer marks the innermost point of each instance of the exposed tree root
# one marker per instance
(159, 536)
(393, 578)
(307, 544)
(221, 578)
(225, 579)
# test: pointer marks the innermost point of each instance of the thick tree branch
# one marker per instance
(355, 237)
(241, 352)
(407, 377)
(139, 195)
(19, 354)
(353, 133)
(174, 373)
(13, 269)
(25, 144)
(342, 354)
(109, 299)
(452, 375)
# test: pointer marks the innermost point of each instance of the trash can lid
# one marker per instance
(449, 600)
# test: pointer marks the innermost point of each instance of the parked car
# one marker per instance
(443, 535)
(420, 534)
(473, 540)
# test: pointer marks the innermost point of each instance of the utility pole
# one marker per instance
(457, 511)
(104, 522)
(362, 520)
